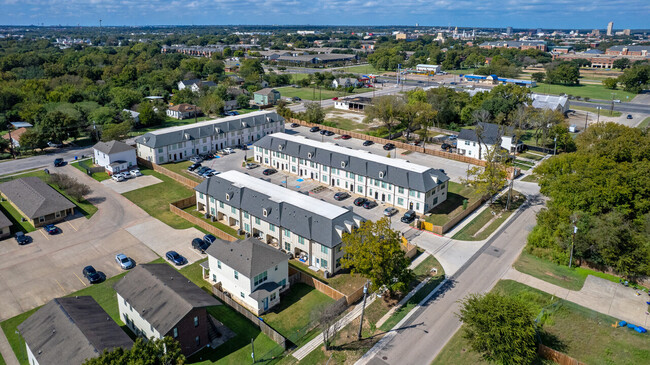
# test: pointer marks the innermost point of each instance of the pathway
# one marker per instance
(6, 351)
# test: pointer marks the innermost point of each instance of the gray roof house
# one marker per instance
(491, 133)
(69, 331)
(472, 144)
(36, 200)
(5, 226)
(113, 147)
(249, 257)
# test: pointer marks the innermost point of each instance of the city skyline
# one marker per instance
(548, 14)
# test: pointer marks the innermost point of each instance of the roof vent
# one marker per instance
(279, 147)
(342, 163)
(309, 155)
(265, 212)
(228, 196)
(381, 174)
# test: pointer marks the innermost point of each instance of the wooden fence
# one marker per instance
(398, 144)
(177, 208)
(556, 356)
(454, 221)
(297, 276)
(265, 328)
(174, 175)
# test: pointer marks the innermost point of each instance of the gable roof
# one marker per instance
(266, 91)
(249, 257)
(190, 82)
(552, 102)
(4, 221)
(184, 108)
(112, 147)
(70, 330)
(34, 197)
(161, 295)
(490, 135)
(15, 134)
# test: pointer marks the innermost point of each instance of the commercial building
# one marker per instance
(495, 80)
(356, 103)
(642, 51)
(392, 181)
(36, 201)
(181, 142)
(530, 44)
(114, 156)
(422, 68)
(309, 229)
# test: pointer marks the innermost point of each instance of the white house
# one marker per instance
(252, 272)
(344, 82)
(135, 115)
(477, 142)
(183, 111)
(114, 156)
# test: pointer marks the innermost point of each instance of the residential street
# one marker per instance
(42, 161)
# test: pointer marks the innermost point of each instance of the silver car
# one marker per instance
(125, 262)
(389, 212)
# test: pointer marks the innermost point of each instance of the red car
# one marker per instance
(345, 136)
(335, 98)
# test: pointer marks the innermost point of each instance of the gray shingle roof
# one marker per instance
(249, 257)
(640, 48)
(34, 197)
(71, 330)
(161, 295)
(264, 290)
(4, 221)
(112, 147)
(301, 214)
(266, 91)
(395, 171)
(208, 128)
(491, 133)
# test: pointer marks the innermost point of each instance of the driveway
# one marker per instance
(161, 238)
(131, 184)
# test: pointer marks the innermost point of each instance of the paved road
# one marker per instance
(621, 107)
(36, 162)
(432, 325)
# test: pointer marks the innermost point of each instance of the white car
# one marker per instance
(251, 166)
(118, 177)
(126, 175)
(135, 172)
(228, 150)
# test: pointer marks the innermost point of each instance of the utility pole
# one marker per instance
(586, 117)
(253, 350)
(598, 120)
(573, 238)
(11, 142)
(555, 146)
(363, 308)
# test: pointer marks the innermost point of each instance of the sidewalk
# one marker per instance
(6, 350)
(597, 294)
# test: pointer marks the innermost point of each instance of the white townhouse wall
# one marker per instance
(179, 143)
(107, 153)
(472, 144)
(253, 272)
(307, 228)
(393, 181)
(134, 321)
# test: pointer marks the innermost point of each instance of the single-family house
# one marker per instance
(70, 331)
(477, 142)
(345, 82)
(38, 202)
(155, 301)
(183, 111)
(134, 115)
(5, 226)
(114, 156)
(266, 97)
(253, 273)
(14, 136)
(229, 105)
(195, 85)
(187, 83)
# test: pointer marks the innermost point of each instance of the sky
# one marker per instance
(553, 14)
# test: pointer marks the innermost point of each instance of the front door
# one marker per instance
(376, 195)
(174, 156)
(383, 197)
(266, 303)
(312, 175)
(352, 187)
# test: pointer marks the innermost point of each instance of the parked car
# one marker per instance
(341, 195)
(389, 146)
(208, 173)
(295, 125)
(368, 143)
(91, 275)
(202, 170)
(346, 136)
(408, 217)
(175, 257)
(210, 239)
(58, 162)
(629, 116)
(359, 201)
(215, 173)
(54, 144)
(51, 229)
(323, 132)
(135, 172)
(335, 98)
(329, 133)
(193, 166)
(369, 204)
(295, 98)
(228, 150)
(125, 175)
(118, 177)
(269, 171)
(445, 146)
(390, 211)
(200, 245)
(452, 138)
(124, 262)
(251, 166)
(314, 129)
(21, 238)
(196, 159)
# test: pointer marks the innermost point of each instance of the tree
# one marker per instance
(425, 119)
(314, 113)
(565, 72)
(166, 351)
(148, 116)
(251, 66)
(117, 131)
(374, 251)
(211, 104)
(500, 328)
(243, 101)
(386, 109)
(327, 318)
(621, 63)
(538, 76)
(488, 180)
(32, 140)
(56, 126)
(636, 78)
(610, 83)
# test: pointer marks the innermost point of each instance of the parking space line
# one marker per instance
(72, 226)
(80, 279)
(60, 286)
(44, 235)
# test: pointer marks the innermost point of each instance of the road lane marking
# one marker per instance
(72, 226)
(43, 233)
(80, 279)
(60, 286)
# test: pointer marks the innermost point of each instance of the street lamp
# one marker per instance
(555, 146)
(363, 307)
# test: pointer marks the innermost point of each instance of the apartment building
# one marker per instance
(309, 229)
(179, 143)
(393, 181)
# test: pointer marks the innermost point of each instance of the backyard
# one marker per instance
(344, 282)
(456, 194)
(220, 226)
(581, 333)
(99, 176)
(489, 220)
(181, 169)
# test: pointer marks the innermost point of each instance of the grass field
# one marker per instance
(361, 69)
(99, 176)
(531, 156)
(484, 224)
(645, 123)
(456, 193)
(16, 218)
(603, 112)
(308, 93)
(581, 333)
(589, 91)
(530, 178)
(181, 169)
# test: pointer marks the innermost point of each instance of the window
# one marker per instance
(247, 228)
(411, 193)
(211, 200)
(221, 205)
(417, 206)
(466, 143)
(435, 200)
(324, 178)
(293, 159)
(259, 279)
(272, 227)
(242, 295)
(161, 159)
(301, 240)
(233, 210)
(175, 332)
(338, 262)
(124, 301)
(200, 195)
(287, 233)
(287, 246)
(214, 277)
(236, 275)
(360, 189)
(218, 264)
(257, 220)
(324, 249)
(383, 185)
(41, 219)
(197, 340)
(400, 201)
(323, 263)
(196, 321)
(324, 168)
(360, 178)
(57, 214)
(160, 150)
(293, 169)
(272, 297)
(400, 190)
(246, 215)
(283, 282)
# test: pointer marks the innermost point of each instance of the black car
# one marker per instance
(323, 132)
(445, 146)
(408, 217)
(175, 257)
(91, 274)
(314, 129)
(368, 143)
(629, 116)
(200, 245)
(329, 133)
(341, 195)
(202, 170)
(369, 204)
(193, 167)
(389, 146)
(21, 238)
(359, 201)
(59, 162)
(269, 171)
(295, 125)
(209, 239)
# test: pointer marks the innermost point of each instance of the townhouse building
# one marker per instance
(392, 181)
(309, 229)
(179, 143)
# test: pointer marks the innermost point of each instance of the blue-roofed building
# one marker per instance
(495, 80)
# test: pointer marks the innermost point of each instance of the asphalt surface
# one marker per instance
(621, 107)
(42, 161)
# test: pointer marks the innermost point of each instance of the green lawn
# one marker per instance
(16, 218)
(531, 156)
(604, 112)
(181, 169)
(467, 71)
(99, 176)
(645, 123)
(155, 199)
(471, 231)
(220, 226)
(361, 69)
(344, 282)
(451, 207)
(307, 93)
(581, 333)
(530, 178)
(589, 91)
